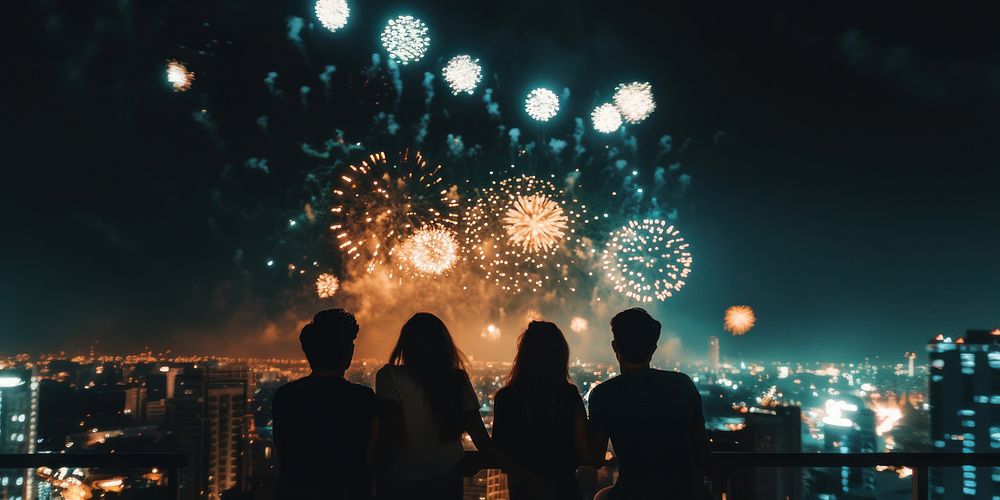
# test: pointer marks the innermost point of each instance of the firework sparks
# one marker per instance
(491, 332)
(379, 203)
(326, 285)
(462, 73)
(541, 104)
(535, 222)
(405, 39)
(429, 250)
(579, 325)
(606, 118)
(499, 237)
(332, 14)
(739, 319)
(178, 76)
(635, 101)
(647, 260)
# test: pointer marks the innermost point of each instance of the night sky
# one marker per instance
(844, 161)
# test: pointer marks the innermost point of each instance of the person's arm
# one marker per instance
(581, 438)
(598, 428)
(699, 435)
(391, 429)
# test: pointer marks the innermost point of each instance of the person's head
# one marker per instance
(328, 340)
(426, 345)
(635, 335)
(425, 348)
(542, 359)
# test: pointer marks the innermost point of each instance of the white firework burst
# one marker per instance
(647, 260)
(405, 39)
(429, 250)
(635, 101)
(606, 118)
(178, 76)
(332, 14)
(541, 104)
(462, 73)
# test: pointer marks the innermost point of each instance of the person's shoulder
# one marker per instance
(677, 379)
(570, 389)
(360, 390)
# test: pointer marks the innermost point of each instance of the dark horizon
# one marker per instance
(843, 166)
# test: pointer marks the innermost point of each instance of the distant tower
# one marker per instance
(713, 353)
(910, 356)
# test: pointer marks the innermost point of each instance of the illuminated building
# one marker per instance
(964, 390)
(18, 426)
(713, 353)
(210, 416)
(848, 427)
(496, 485)
(762, 430)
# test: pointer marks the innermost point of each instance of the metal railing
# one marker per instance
(919, 463)
(169, 463)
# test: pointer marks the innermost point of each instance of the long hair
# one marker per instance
(541, 365)
(427, 351)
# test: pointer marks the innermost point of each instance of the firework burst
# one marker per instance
(405, 39)
(647, 260)
(462, 73)
(490, 332)
(635, 101)
(178, 76)
(541, 104)
(378, 204)
(579, 325)
(535, 222)
(428, 251)
(326, 285)
(332, 14)
(518, 233)
(606, 118)
(739, 319)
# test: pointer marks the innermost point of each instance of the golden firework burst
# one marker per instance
(739, 319)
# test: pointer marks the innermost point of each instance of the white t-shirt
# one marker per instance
(424, 454)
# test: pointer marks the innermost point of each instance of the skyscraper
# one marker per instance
(211, 418)
(18, 426)
(713, 353)
(964, 390)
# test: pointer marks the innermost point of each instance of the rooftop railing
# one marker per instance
(723, 462)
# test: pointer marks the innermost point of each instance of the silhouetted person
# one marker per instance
(427, 402)
(653, 418)
(325, 427)
(538, 417)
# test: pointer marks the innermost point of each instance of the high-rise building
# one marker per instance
(211, 419)
(777, 429)
(496, 485)
(714, 360)
(910, 358)
(964, 391)
(18, 426)
(848, 427)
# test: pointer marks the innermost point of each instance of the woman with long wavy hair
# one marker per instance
(539, 420)
(427, 403)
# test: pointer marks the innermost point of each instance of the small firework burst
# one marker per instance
(535, 222)
(326, 285)
(429, 250)
(647, 260)
(332, 14)
(490, 332)
(378, 204)
(178, 76)
(739, 319)
(635, 101)
(502, 239)
(606, 118)
(578, 324)
(462, 73)
(541, 104)
(405, 39)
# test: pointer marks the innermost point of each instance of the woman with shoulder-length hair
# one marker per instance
(538, 417)
(427, 403)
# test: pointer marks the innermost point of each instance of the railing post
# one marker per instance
(173, 489)
(918, 483)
